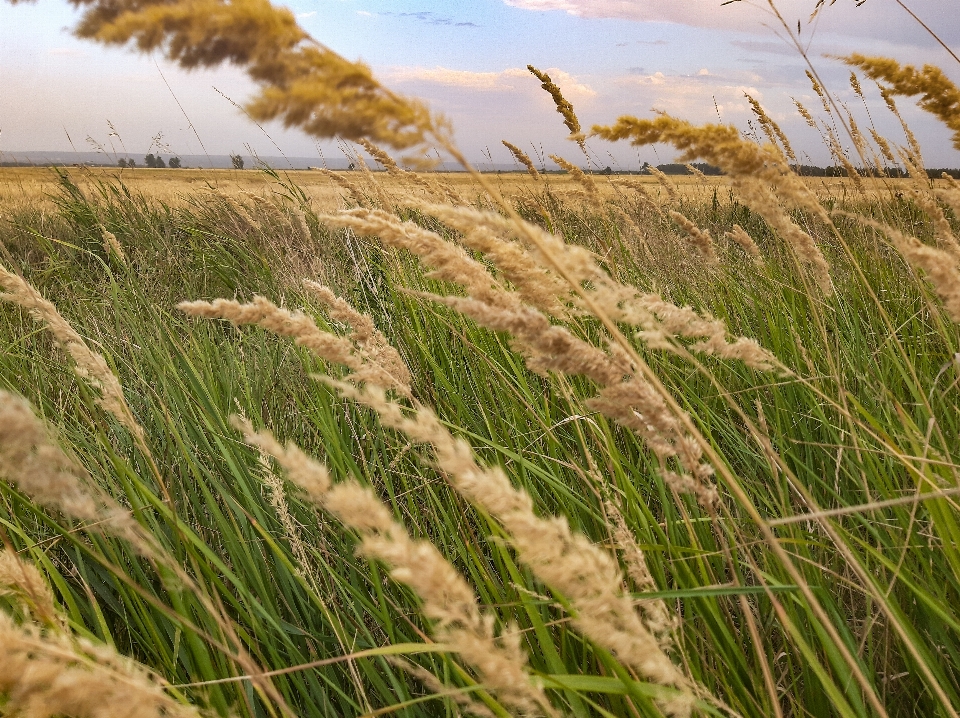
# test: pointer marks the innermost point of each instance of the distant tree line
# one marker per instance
(152, 161)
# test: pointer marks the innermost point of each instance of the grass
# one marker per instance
(867, 416)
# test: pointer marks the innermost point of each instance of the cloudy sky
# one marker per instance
(692, 58)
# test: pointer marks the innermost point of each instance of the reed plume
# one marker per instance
(740, 236)
(23, 581)
(938, 95)
(446, 598)
(752, 169)
(45, 674)
(665, 182)
(770, 128)
(584, 574)
(939, 266)
(563, 105)
(701, 237)
(523, 158)
(36, 465)
(363, 353)
(88, 364)
(303, 84)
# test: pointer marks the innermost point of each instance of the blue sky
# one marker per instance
(692, 58)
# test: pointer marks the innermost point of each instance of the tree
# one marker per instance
(121, 162)
(159, 162)
(237, 161)
(150, 160)
(131, 163)
(174, 163)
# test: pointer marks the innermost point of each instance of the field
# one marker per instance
(421, 443)
(811, 569)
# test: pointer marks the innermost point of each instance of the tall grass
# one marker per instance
(568, 452)
(846, 456)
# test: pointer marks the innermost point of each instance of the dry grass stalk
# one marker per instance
(569, 563)
(938, 95)
(821, 93)
(770, 128)
(645, 198)
(701, 237)
(112, 246)
(446, 597)
(939, 266)
(341, 180)
(665, 183)
(752, 169)
(580, 177)
(740, 236)
(884, 146)
(303, 83)
(657, 617)
(523, 158)
(915, 156)
(534, 284)
(435, 685)
(950, 195)
(37, 466)
(563, 106)
(805, 114)
(23, 581)
(941, 225)
(695, 172)
(48, 674)
(394, 170)
(88, 364)
(361, 353)
(659, 319)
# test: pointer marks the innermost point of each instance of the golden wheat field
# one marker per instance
(417, 443)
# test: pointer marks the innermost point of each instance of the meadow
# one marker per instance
(429, 444)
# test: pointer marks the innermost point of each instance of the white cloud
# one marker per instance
(304, 15)
(510, 80)
(874, 19)
(692, 96)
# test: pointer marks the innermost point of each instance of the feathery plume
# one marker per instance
(48, 674)
(939, 266)
(446, 597)
(563, 105)
(938, 95)
(821, 93)
(753, 170)
(361, 356)
(352, 188)
(88, 364)
(941, 225)
(32, 462)
(568, 562)
(805, 114)
(770, 128)
(701, 237)
(665, 183)
(23, 581)
(950, 194)
(112, 246)
(303, 83)
(523, 158)
(695, 172)
(740, 236)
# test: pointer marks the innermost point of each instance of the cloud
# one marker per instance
(692, 96)
(514, 79)
(875, 20)
(432, 19)
(304, 15)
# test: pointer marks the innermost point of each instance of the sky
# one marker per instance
(692, 58)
